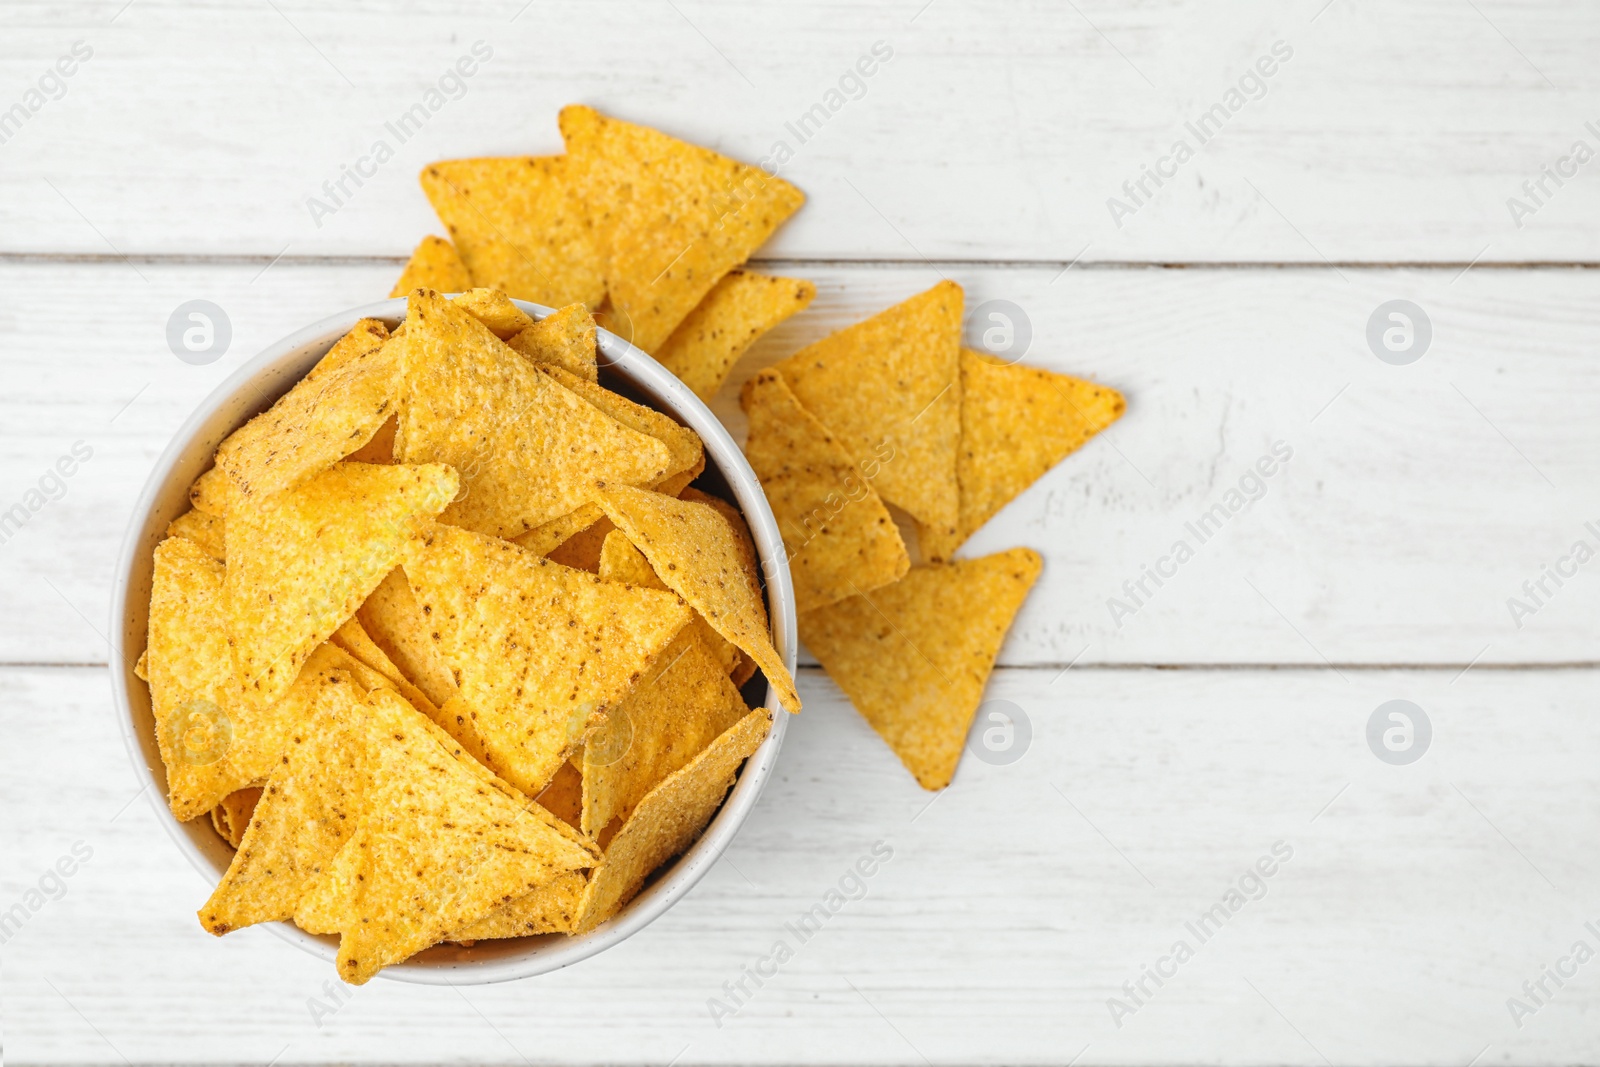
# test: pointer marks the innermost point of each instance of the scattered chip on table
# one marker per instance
(700, 557)
(839, 536)
(889, 389)
(671, 218)
(913, 657)
(734, 314)
(434, 265)
(518, 228)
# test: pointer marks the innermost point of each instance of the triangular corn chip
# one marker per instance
(698, 554)
(684, 447)
(528, 448)
(563, 797)
(682, 703)
(391, 617)
(232, 817)
(738, 310)
(668, 820)
(542, 540)
(889, 389)
(330, 413)
(840, 539)
(1016, 423)
(746, 668)
(213, 492)
(203, 529)
(621, 562)
(672, 218)
(495, 310)
(564, 339)
(550, 909)
(308, 809)
(517, 227)
(914, 657)
(381, 448)
(438, 848)
(581, 551)
(354, 639)
(434, 265)
(301, 562)
(539, 650)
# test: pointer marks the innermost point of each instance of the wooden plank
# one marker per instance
(1417, 898)
(976, 139)
(1418, 501)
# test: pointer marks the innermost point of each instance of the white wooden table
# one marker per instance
(1168, 753)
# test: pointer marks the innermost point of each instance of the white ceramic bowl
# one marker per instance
(253, 388)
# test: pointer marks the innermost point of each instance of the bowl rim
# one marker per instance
(275, 365)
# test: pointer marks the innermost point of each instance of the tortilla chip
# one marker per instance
(437, 848)
(395, 623)
(231, 817)
(213, 492)
(889, 389)
(547, 910)
(542, 540)
(621, 562)
(683, 703)
(840, 539)
(671, 218)
(495, 310)
(330, 413)
(308, 809)
(699, 556)
(686, 452)
(563, 797)
(668, 820)
(434, 265)
(354, 639)
(141, 667)
(527, 447)
(1016, 423)
(539, 651)
(914, 657)
(581, 551)
(302, 561)
(381, 448)
(564, 339)
(203, 529)
(517, 227)
(738, 310)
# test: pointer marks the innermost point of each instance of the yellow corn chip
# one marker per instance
(1016, 423)
(889, 389)
(564, 339)
(695, 551)
(329, 413)
(738, 310)
(547, 910)
(354, 639)
(686, 452)
(620, 562)
(540, 651)
(746, 668)
(581, 551)
(914, 657)
(308, 809)
(203, 529)
(563, 797)
(434, 265)
(391, 617)
(232, 816)
(840, 539)
(668, 820)
(528, 448)
(672, 218)
(683, 702)
(213, 492)
(381, 448)
(542, 540)
(495, 310)
(141, 667)
(437, 848)
(517, 227)
(301, 562)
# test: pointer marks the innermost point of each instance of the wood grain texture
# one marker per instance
(997, 130)
(1417, 502)
(1416, 901)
